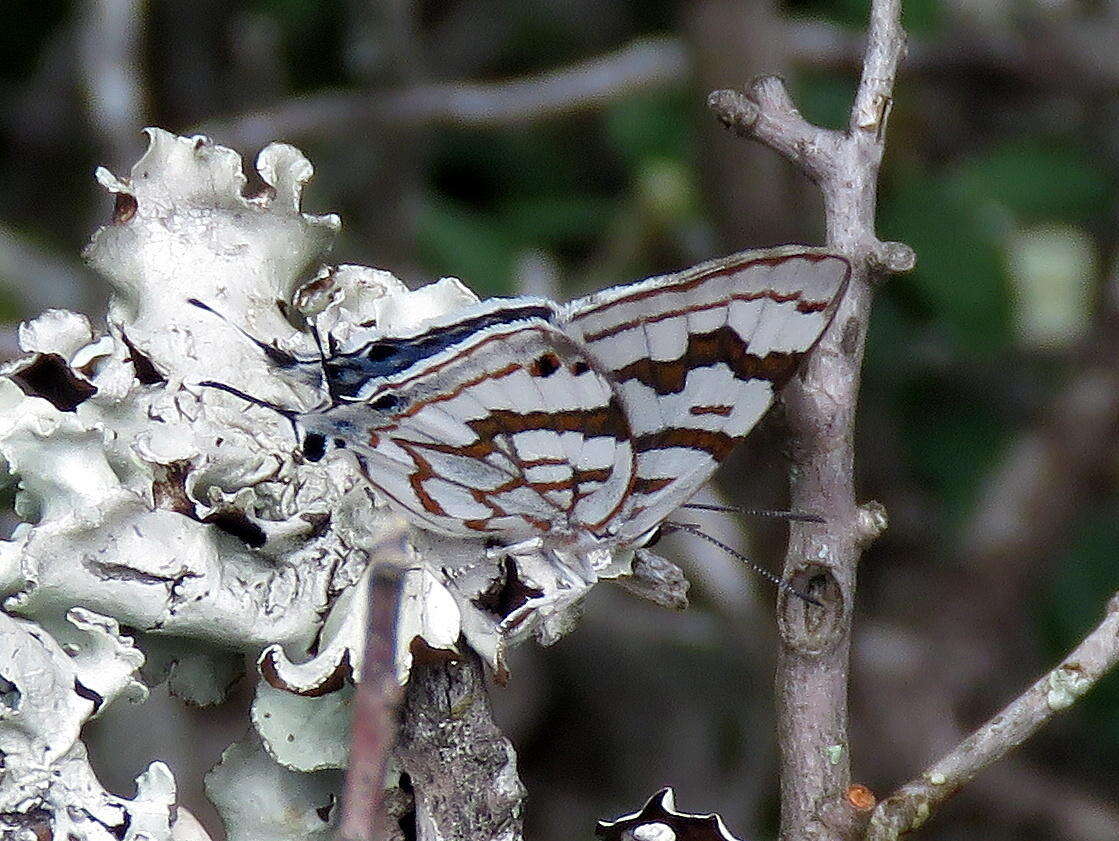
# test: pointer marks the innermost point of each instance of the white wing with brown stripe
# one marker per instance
(697, 357)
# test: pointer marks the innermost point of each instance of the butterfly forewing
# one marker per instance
(510, 432)
(586, 424)
(697, 357)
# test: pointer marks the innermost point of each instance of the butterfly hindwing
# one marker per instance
(697, 357)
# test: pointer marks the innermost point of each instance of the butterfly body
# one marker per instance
(578, 428)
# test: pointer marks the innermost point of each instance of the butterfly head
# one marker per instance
(314, 371)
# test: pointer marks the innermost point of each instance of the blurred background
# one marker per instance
(559, 146)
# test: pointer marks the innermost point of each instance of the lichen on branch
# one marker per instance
(166, 525)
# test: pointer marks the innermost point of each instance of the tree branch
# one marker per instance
(638, 66)
(911, 805)
(373, 728)
(812, 668)
(463, 770)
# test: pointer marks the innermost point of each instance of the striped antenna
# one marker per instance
(795, 516)
(780, 583)
(280, 357)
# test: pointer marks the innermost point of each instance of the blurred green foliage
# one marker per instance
(824, 98)
(1038, 179)
(1071, 606)
(558, 188)
(957, 403)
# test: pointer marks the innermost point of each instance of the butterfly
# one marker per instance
(576, 428)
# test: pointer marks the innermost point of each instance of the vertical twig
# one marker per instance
(812, 669)
(374, 723)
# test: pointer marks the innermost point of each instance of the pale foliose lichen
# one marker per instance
(1065, 685)
(193, 520)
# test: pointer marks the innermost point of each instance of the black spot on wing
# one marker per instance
(386, 402)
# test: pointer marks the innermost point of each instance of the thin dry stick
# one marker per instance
(376, 699)
(813, 660)
(642, 65)
(911, 805)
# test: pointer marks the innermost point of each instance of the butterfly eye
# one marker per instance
(314, 446)
(385, 403)
(380, 352)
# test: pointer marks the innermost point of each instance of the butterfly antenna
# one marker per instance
(323, 356)
(280, 357)
(290, 415)
(314, 328)
(780, 583)
(795, 516)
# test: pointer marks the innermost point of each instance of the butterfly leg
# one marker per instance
(523, 547)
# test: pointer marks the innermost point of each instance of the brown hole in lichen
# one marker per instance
(124, 208)
(169, 489)
(256, 187)
(50, 377)
(238, 524)
(427, 655)
(37, 820)
(318, 287)
(342, 673)
(145, 369)
(507, 593)
(319, 523)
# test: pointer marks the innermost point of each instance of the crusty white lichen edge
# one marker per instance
(118, 490)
